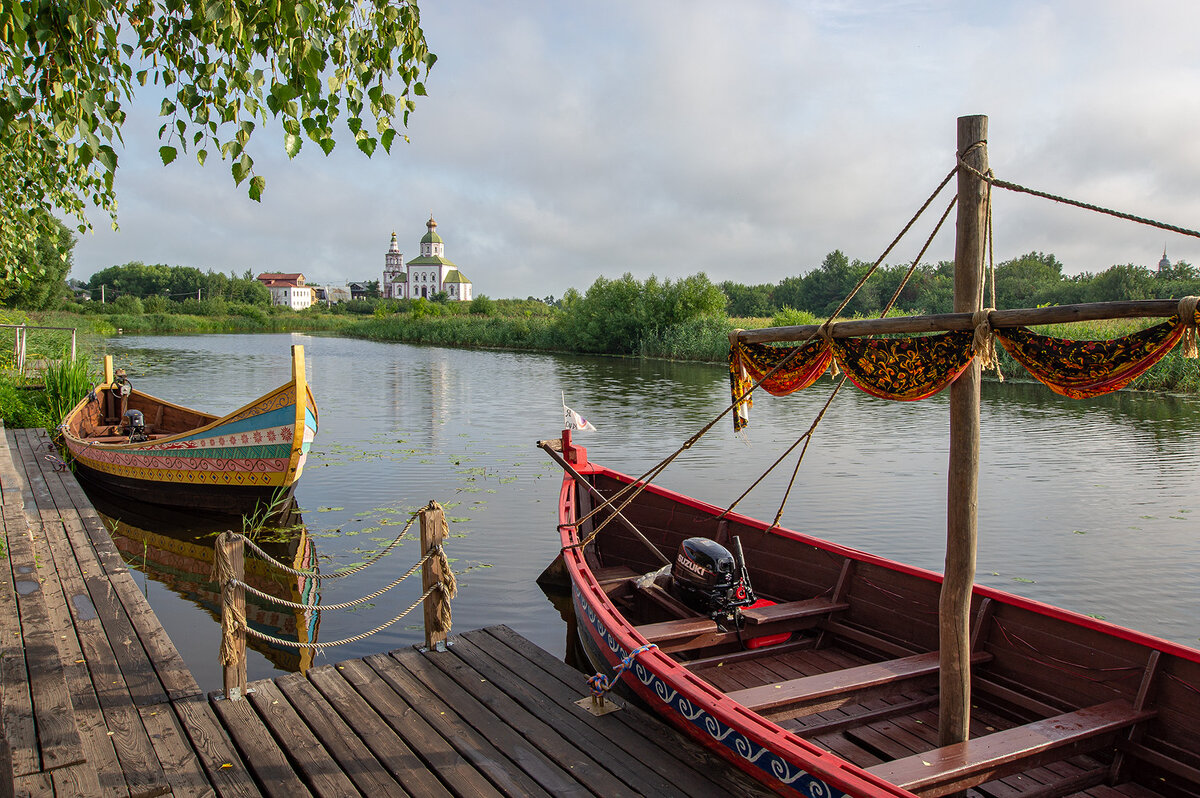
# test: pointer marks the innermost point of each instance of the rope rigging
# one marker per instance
(983, 345)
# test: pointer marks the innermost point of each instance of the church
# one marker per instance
(425, 275)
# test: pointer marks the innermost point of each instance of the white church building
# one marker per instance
(425, 275)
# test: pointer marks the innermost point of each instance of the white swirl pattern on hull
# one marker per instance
(727, 736)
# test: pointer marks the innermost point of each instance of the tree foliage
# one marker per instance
(47, 262)
(616, 315)
(68, 69)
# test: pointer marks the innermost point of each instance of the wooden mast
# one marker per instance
(962, 496)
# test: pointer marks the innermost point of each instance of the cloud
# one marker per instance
(561, 142)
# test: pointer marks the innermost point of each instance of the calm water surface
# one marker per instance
(1090, 505)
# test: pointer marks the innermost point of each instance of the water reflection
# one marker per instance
(175, 550)
(1090, 505)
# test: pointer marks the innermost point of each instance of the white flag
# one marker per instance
(573, 420)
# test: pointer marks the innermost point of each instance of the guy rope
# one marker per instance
(438, 587)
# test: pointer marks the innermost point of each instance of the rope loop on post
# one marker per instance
(1187, 315)
(984, 342)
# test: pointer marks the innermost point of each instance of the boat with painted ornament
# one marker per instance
(145, 449)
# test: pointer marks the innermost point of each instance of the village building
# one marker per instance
(425, 275)
(288, 290)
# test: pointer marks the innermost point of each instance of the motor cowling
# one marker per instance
(137, 426)
(709, 579)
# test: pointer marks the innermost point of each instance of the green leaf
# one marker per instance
(257, 184)
(326, 145)
(107, 158)
(367, 145)
(167, 154)
(386, 139)
(241, 168)
(291, 144)
(201, 156)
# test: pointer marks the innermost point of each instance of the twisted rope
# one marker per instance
(601, 684)
(1187, 315)
(297, 644)
(992, 180)
(316, 575)
(345, 604)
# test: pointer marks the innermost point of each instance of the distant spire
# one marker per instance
(1164, 264)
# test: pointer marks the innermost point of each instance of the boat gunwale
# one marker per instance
(1050, 610)
(175, 437)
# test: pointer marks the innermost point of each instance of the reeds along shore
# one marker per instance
(532, 325)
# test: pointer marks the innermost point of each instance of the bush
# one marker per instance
(482, 306)
(127, 305)
(790, 317)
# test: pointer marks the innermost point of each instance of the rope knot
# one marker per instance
(1187, 315)
(601, 684)
(826, 333)
(984, 342)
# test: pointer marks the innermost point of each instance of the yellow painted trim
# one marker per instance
(299, 379)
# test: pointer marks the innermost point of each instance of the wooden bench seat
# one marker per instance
(688, 634)
(956, 767)
(824, 691)
(791, 611)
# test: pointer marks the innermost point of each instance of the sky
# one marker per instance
(561, 142)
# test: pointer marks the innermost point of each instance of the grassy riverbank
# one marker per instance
(501, 324)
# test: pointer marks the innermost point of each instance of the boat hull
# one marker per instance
(1040, 660)
(245, 461)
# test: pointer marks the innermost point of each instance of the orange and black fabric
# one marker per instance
(1082, 369)
(904, 369)
(749, 363)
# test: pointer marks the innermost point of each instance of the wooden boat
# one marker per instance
(843, 698)
(232, 464)
(825, 671)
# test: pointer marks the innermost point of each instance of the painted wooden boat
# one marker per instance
(232, 464)
(842, 700)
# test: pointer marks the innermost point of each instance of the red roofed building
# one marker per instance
(288, 290)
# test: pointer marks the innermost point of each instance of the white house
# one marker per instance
(288, 290)
(426, 274)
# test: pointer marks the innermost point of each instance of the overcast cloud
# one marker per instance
(565, 141)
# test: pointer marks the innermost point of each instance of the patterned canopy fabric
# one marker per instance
(1082, 369)
(907, 369)
(904, 369)
(782, 370)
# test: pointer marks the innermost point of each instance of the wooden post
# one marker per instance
(433, 532)
(72, 344)
(963, 480)
(230, 563)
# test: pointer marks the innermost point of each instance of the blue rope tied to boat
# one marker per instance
(601, 684)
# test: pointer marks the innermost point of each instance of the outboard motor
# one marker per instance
(137, 426)
(710, 580)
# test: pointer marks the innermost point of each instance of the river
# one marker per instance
(1089, 505)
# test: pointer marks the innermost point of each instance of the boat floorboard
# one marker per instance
(879, 729)
(97, 701)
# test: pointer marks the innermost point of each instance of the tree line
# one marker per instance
(1031, 280)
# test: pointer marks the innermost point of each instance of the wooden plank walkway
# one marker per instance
(97, 701)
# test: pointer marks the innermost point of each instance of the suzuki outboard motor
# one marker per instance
(710, 580)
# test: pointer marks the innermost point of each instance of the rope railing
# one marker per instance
(438, 586)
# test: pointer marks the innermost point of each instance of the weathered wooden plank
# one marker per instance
(214, 750)
(601, 737)
(521, 753)
(563, 749)
(434, 749)
(17, 713)
(175, 753)
(275, 775)
(77, 513)
(472, 745)
(311, 759)
(349, 752)
(54, 717)
(692, 758)
(387, 746)
(97, 746)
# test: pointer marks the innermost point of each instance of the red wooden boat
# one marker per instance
(829, 686)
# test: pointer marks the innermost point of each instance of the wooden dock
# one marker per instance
(97, 701)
